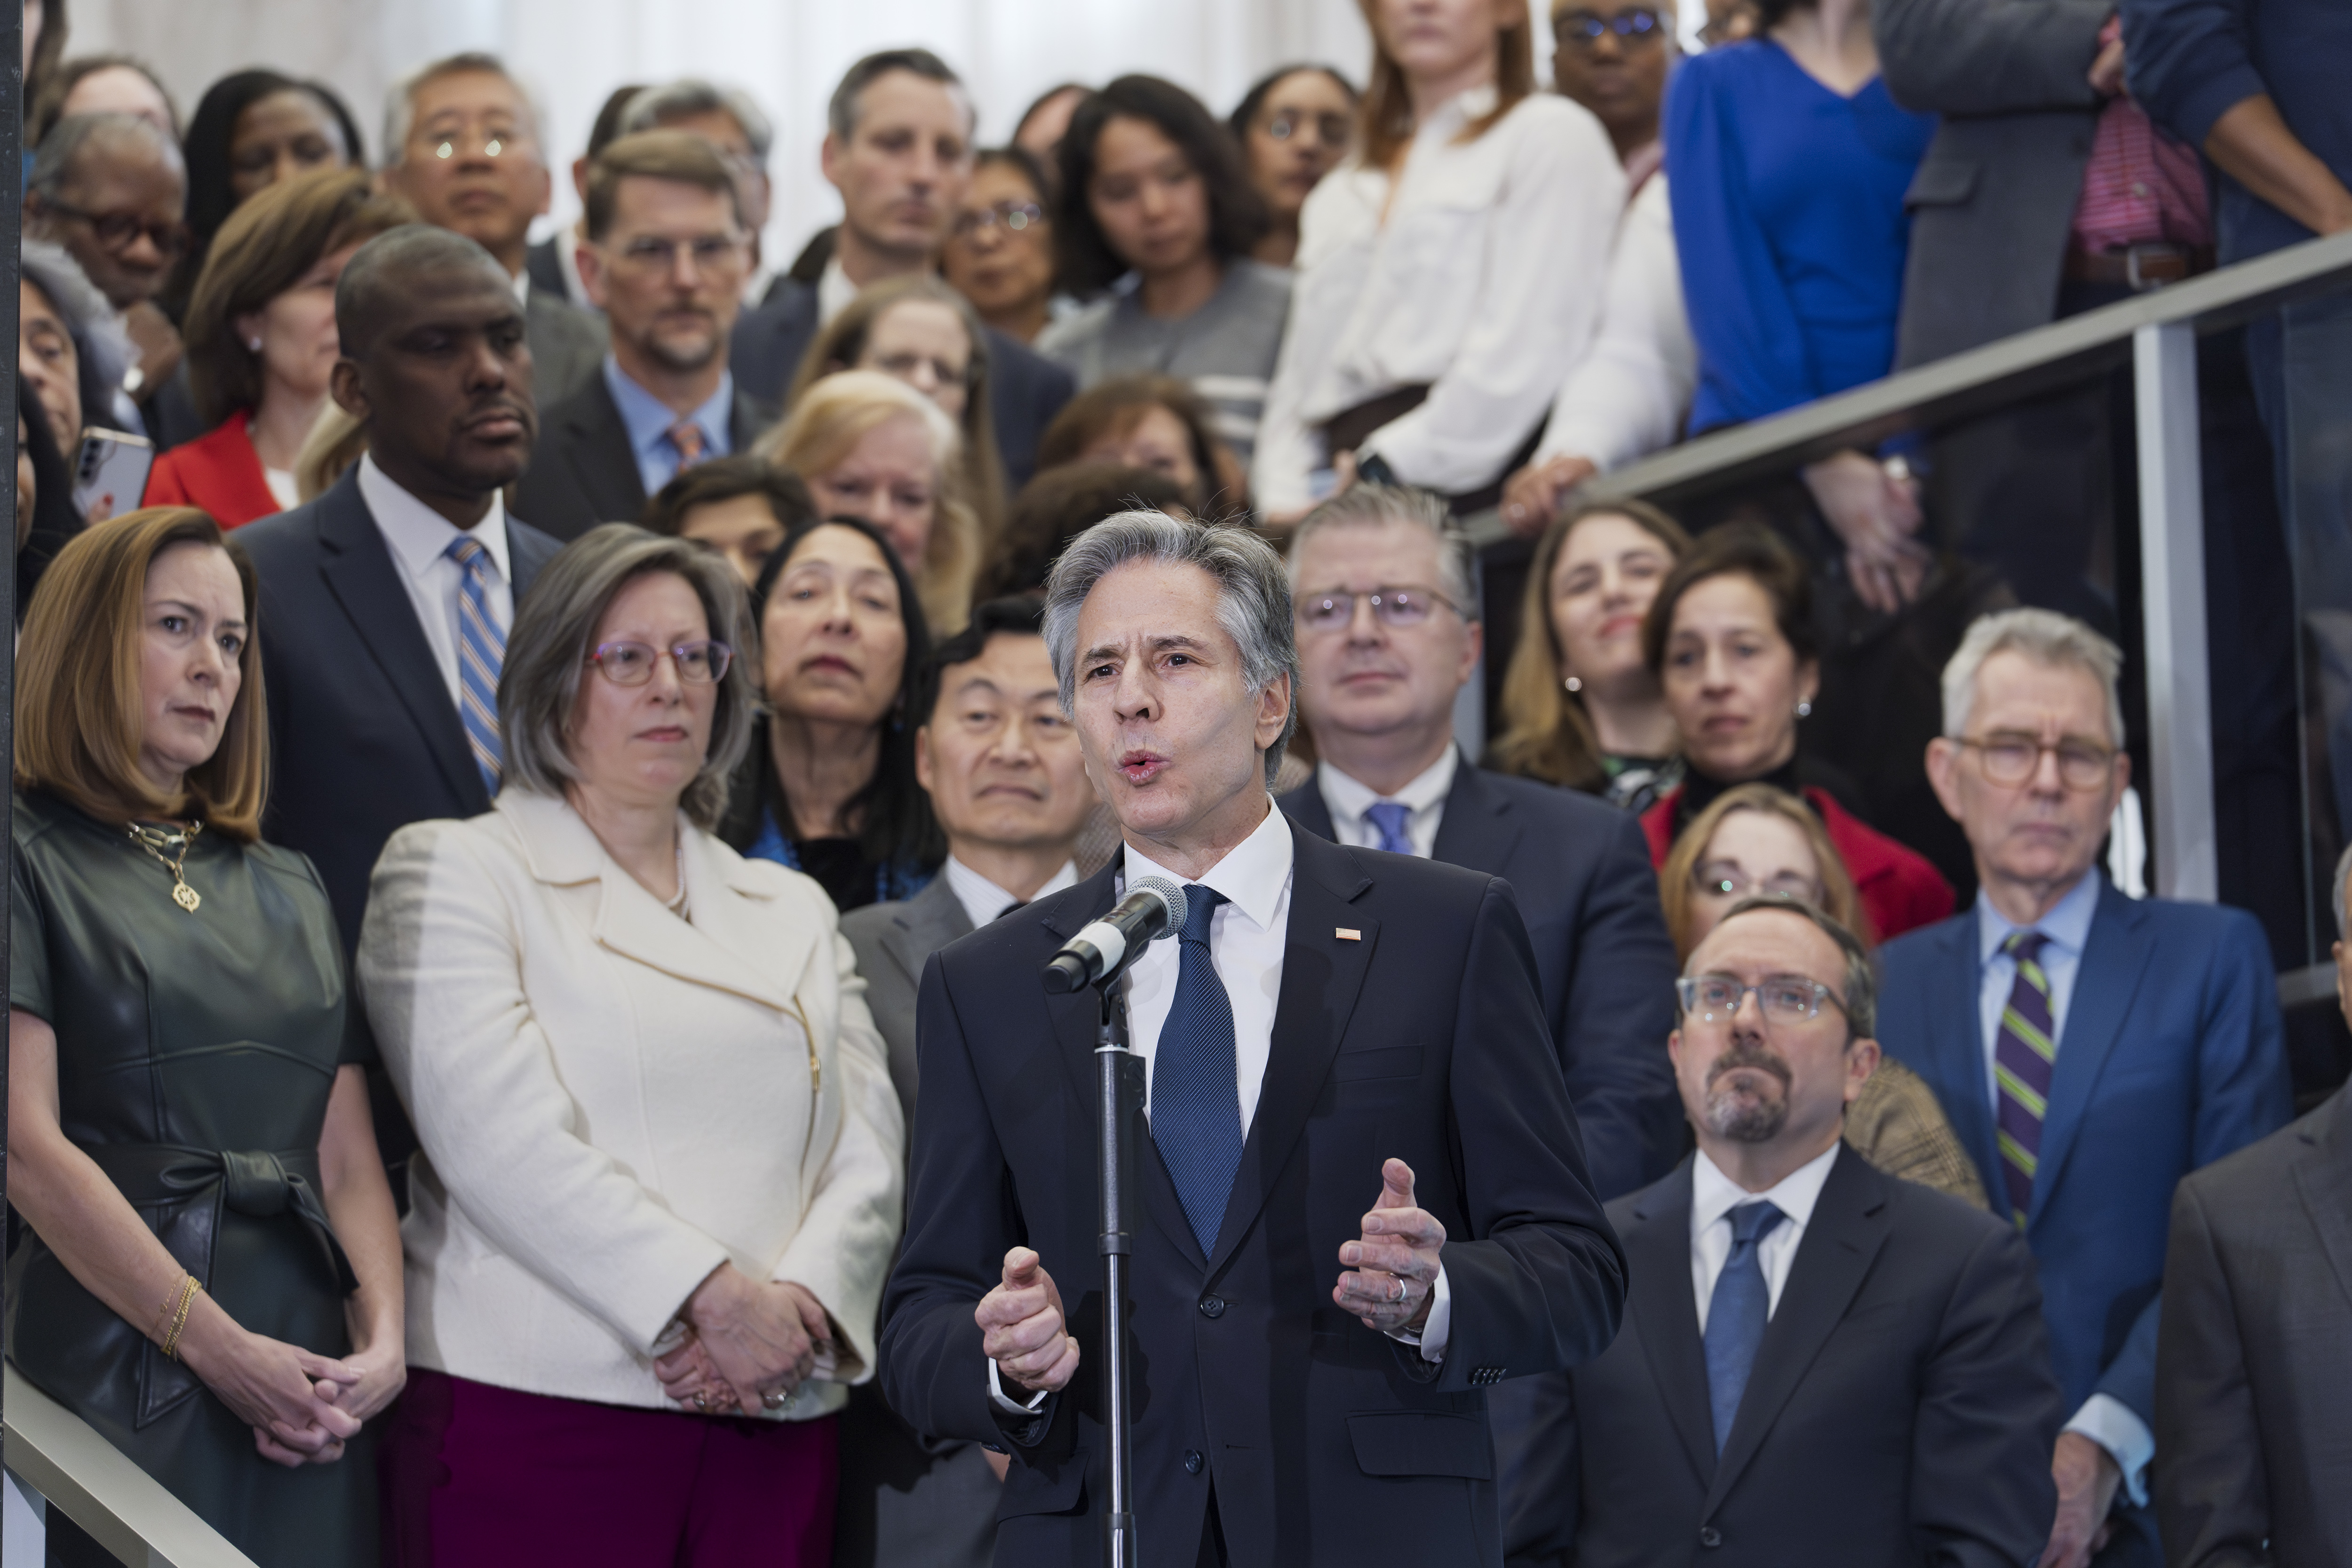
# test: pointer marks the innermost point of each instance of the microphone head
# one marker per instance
(1170, 894)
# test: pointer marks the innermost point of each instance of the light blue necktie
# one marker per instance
(1196, 1109)
(1736, 1314)
(1388, 817)
(481, 651)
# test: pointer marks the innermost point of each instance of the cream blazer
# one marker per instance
(612, 1101)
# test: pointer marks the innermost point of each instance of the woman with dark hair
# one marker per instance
(251, 130)
(1157, 206)
(262, 342)
(828, 786)
(739, 507)
(1729, 636)
(46, 518)
(1057, 507)
(1154, 422)
(1000, 248)
(1789, 161)
(1294, 127)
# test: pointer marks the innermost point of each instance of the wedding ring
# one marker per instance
(1399, 1298)
(775, 1399)
(702, 1402)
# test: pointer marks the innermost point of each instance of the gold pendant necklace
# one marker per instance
(170, 845)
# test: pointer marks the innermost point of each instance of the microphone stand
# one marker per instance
(1119, 1096)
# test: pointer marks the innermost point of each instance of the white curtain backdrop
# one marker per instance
(787, 53)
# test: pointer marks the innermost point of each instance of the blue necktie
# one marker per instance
(481, 651)
(1388, 817)
(1196, 1108)
(1736, 1314)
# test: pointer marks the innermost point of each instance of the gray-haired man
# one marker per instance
(1333, 1031)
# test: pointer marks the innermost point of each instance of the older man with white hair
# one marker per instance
(2090, 1048)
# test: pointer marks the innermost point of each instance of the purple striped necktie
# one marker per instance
(2024, 1052)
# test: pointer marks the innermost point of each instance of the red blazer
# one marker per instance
(1899, 889)
(219, 472)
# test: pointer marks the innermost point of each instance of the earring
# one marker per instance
(253, 344)
(1805, 710)
(1574, 683)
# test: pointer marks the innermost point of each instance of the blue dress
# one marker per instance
(1788, 203)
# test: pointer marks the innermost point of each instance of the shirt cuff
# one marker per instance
(1434, 1331)
(997, 1396)
(2109, 1422)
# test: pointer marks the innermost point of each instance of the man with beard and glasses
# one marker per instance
(665, 258)
(1819, 1362)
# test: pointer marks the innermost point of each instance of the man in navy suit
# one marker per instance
(2090, 1049)
(1331, 1031)
(897, 146)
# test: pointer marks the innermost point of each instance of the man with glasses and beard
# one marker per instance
(1819, 1362)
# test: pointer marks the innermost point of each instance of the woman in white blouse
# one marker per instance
(659, 1185)
(1446, 271)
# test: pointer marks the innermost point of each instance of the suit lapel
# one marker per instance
(746, 420)
(361, 573)
(1479, 829)
(1658, 1258)
(2324, 1176)
(1956, 1051)
(1308, 808)
(604, 456)
(2103, 986)
(927, 922)
(1839, 1243)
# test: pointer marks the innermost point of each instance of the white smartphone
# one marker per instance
(111, 476)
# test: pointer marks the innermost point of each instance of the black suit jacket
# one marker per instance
(1901, 1409)
(1420, 1035)
(364, 738)
(1582, 870)
(584, 471)
(545, 267)
(1025, 390)
(2254, 1358)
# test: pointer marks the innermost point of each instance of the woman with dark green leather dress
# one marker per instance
(211, 1273)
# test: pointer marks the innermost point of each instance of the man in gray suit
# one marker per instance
(1008, 785)
(2252, 1434)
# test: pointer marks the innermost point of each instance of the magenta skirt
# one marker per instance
(479, 1476)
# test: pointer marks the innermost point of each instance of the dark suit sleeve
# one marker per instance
(1617, 1014)
(2189, 62)
(1989, 56)
(2212, 1497)
(1982, 1492)
(1539, 1283)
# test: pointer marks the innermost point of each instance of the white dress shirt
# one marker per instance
(419, 539)
(1629, 396)
(984, 900)
(1479, 278)
(834, 291)
(1713, 1198)
(1423, 798)
(2104, 1419)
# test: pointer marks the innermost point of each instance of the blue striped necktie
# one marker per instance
(2024, 1055)
(1196, 1106)
(481, 651)
(1388, 819)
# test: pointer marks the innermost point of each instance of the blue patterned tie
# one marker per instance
(1196, 1108)
(2024, 1060)
(1737, 1315)
(1388, 818)
(481, 650)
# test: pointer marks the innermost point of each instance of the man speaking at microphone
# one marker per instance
(1365, 1199)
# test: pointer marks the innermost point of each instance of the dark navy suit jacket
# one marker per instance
(1408, 1025)
(1581, 871)
(1025, 390)
(2170, 1056)
(584, 471)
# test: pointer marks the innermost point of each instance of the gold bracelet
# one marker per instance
(188, 1300)
(163, 1314)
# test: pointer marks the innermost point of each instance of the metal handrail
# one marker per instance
(96, 1485)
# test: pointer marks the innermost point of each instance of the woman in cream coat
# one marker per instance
(660, 1183)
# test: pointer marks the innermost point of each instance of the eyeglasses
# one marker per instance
(2012, 758)
(632, 663)
(711, 253)
(1584, 28)
(1013, 215)
(1783, 998)
(1728, 879)
(903, 366)
(492, 141)
(1393, 608)
(116, 231)
(1331, 130)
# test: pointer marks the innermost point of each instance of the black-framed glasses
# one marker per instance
(632, 663)
(1583, 28)
(1013, 216)
(1783, 998)
(1729, 879)
(1398, 606)
(116, 231)
(2011, 757)
(1331, 130)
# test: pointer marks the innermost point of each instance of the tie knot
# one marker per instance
(1390, 816)
(686, 436)
(1200, 907)
(1751, 1222)
(465, 551)
(2024, 946)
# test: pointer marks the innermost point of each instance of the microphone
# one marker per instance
(1153, 907)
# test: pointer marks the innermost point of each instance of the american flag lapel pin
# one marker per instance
(1347, 934)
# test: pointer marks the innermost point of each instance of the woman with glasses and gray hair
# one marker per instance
(660, 1180)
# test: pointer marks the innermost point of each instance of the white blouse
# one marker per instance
(1629, 396)
(1482, 282)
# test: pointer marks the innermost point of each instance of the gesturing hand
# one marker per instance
(1395, 1260)
(1022, 1329)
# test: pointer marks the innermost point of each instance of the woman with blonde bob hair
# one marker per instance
(870, 446)
(1756, 841)
(213, 1274)
(659, 1181)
